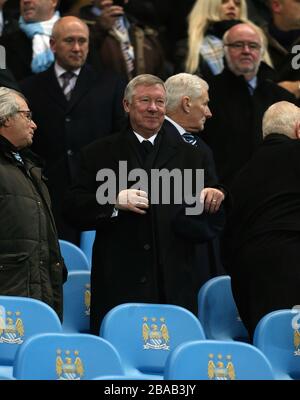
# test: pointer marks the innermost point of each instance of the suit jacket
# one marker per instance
(135, 257)
(94, 110)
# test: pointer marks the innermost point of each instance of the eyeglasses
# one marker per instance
(27, 113)
(253, 46)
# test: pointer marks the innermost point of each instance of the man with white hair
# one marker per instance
(186, 113)
(263, 231)
(239, 97)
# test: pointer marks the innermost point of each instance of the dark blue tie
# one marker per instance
(191, 139)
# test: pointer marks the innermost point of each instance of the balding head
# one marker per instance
(69, 42)
(282, 117)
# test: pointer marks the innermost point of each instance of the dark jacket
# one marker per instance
(234, 131)
(105, 50)
(136, 257)
(30, 259)
(94, 110)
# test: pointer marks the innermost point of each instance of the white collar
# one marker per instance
(141, 138)
(180, 129)
(59, 70)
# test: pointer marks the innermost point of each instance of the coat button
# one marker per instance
(70, 152)
(41, 262)
(68, 119)
(57, 264)
(147, 246)
(1, 266)
(143, 279)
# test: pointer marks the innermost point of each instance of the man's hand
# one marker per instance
(109, 13)
(212, 199)
(132, 200)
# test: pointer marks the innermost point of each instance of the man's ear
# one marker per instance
(186, 104)
(126, 105)
(275, 6)
(297, 130)
(52, 44)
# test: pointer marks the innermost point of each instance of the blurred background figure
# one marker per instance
(239, 97)
(28, 47)
(122, 43)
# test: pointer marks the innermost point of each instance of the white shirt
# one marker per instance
(59, 71)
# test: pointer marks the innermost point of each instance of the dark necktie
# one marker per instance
(147, 148)
(67, 76)
(191, 139)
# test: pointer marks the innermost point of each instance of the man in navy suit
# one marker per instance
(73, 105)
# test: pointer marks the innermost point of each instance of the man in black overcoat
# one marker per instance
(73, 115)
(137, 254)
(263, 231)
(239, 97)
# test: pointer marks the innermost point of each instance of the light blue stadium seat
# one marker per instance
(74, 257)
(218, 313)
(145, 334)
(20, 318)
(277, 336)
(66, 357)
(217, 360)
(77, 297)
(86, 243)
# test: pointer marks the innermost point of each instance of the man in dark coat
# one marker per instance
(30, 259)
(137, 256)
(263, 231)
(73, 115)
(239, 97)
(186, 114)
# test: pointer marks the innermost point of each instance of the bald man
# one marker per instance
(263, 232)
(73, 105)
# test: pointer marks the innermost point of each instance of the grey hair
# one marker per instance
(143, 79)
(281, 117)
(8, 103)
(183, 84)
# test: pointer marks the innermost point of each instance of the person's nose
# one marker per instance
(208, 113)
(152, 106)
(33, 125)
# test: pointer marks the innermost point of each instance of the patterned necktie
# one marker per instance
(191, 139)
(66, 87)
(126, 47)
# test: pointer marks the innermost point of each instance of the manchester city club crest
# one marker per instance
(11, 327)
(155, 334)
(87, 298)
(223, 369)
(68, 365)
(296, 342)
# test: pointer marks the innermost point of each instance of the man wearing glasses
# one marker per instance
(30, 261)
(239, 97)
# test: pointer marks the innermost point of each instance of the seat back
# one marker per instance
(66, 357)
(217, 360)
(77, 299)
(86, 244)
(277, 335)
(20, 318)
(74, 257)
(218, 313)
(145, 334)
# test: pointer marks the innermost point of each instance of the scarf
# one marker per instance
(39, 33)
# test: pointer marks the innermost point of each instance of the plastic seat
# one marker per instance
(218, 360)
(20, 318)
(145, 334)
(218, 313)
(66, 357)
(86, 244)
(74, 257)
(77, 296)
(277, 336)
